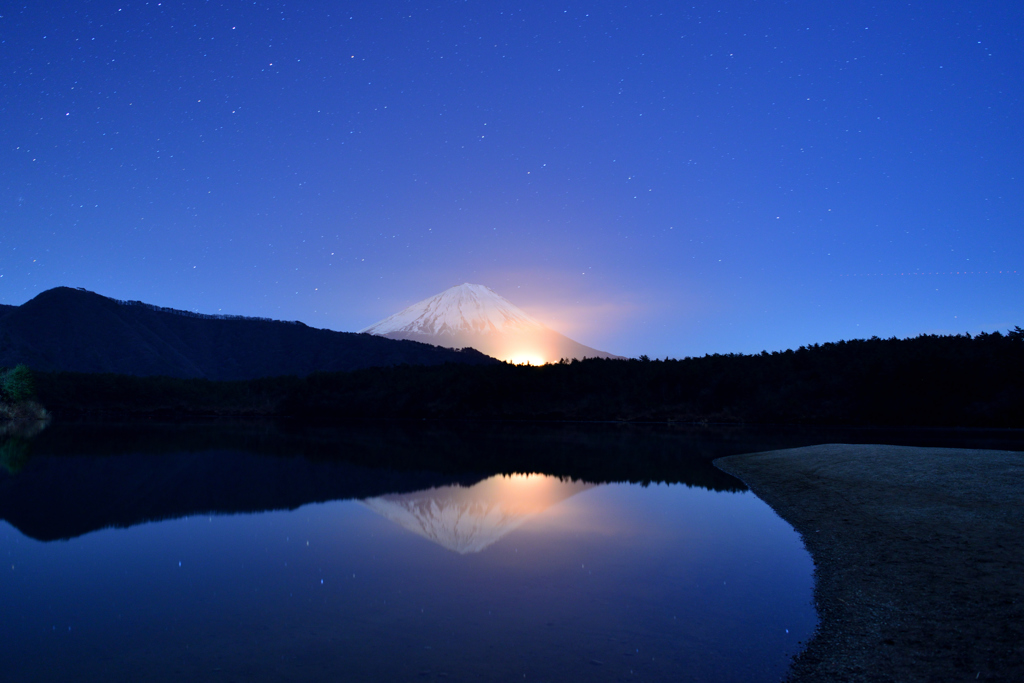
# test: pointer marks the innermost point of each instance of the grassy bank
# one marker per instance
(917, 572)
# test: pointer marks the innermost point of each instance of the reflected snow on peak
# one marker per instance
(469, 519)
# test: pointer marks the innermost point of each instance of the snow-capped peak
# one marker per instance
(460, 309)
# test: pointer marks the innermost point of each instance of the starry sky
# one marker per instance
(664, 178)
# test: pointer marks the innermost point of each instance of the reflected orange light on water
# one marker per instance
(467, 520)
(523, 494)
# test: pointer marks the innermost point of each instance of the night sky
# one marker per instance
(655, 177)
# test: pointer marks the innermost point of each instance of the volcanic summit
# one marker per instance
(475, 316)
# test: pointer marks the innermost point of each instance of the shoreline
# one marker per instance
(918, 556)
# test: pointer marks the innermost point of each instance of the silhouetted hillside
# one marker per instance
(80, 331)
(927, 381)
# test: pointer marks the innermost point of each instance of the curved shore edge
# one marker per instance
(918, 558)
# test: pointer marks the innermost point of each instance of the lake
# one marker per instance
(247, 552)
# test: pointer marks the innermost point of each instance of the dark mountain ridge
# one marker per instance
(81, 331)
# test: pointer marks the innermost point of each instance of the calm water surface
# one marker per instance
(502, 577)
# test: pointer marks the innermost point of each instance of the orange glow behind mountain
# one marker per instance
(475, 316)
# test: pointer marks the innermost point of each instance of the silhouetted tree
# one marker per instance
(17, 384)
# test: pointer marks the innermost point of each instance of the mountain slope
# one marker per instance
(76, 330)
(475, 316)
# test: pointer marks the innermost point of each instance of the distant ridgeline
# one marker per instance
(65, 329)
(194, 314)
(942, 381)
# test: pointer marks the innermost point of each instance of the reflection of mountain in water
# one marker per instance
(72, 479)
(467, 520)
(56, 497)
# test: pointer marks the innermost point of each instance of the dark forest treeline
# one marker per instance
(925, 381)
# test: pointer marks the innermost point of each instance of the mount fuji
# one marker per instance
(477, 317)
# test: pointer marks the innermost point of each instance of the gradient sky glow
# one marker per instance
(655, 177)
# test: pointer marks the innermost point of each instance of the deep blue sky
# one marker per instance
(655, 177)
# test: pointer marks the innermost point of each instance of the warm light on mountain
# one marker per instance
(525, 359)
(475, 316)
